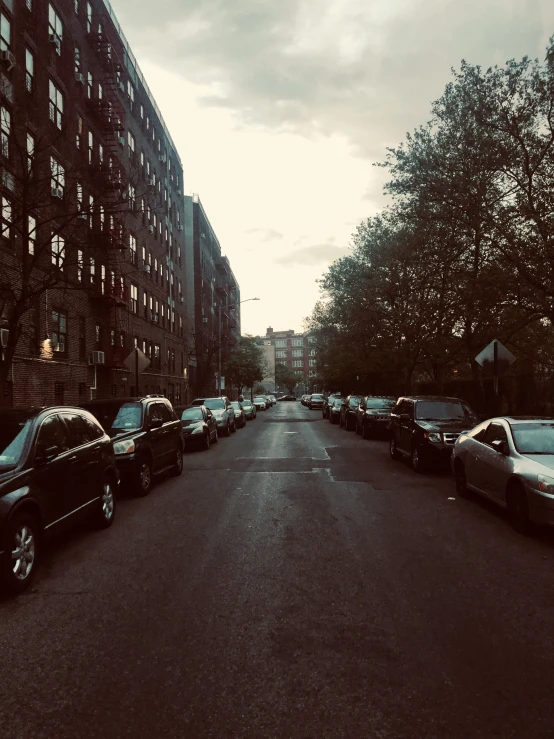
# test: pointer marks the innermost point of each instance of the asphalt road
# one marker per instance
(294, 582)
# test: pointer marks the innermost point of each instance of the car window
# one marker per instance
(94, 430)
(76, 429)
(192, 414)
(165, 414)
(378, 403)
(478, 433)
(495, 432)
(52, 433)
(155, 412)
(13, 437)
(431, 410)
(214, 404)
(534, 437)
(129, 416)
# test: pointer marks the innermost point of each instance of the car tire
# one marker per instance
(207, 441)
(22, 534)
(518, 509)
(349, 426)
(104, 510)
(358, 429)
(460, 480)
(227, 431)
(416, 459)
(142, 483)
(216, 437)
(177, 468)
(393, 449)
(365, 431)
(340, 420)
(234, 427)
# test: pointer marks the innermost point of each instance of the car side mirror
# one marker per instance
(155, 423)
(501, 447)
(46, 454)
(405, 417)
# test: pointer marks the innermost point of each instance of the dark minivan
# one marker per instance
(425, 428)
(56, 465)
(146, 435)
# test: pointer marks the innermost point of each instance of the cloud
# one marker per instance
(320, 67)
(318, 254)
(266, 234)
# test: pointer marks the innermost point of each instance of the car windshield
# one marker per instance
(534, 438)
(354, 401)
(337, 402)
(373, 403)
(129, 416)
(236, 405)
(317, 397)
(259, 400)
(214, 404)
(430, 410)
(192, 414)
(13, 435)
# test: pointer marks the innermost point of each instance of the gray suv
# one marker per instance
(223, 412)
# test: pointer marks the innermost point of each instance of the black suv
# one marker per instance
(425, 428)
(348, 412)
(56, 465)
(146, 435)
(373, 415)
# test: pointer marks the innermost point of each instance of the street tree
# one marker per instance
(244, 365)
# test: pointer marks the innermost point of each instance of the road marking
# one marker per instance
(290, 432)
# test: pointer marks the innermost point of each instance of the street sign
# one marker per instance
(504, 357)
(137, 361)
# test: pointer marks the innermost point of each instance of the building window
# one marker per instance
(131, 94)
(145, 304)
(90, 147)
(89, 85)
(298, 363)
(282, 343)
(29, 71)
(298, 342)
(5, 130)
(58, 175)
(297, 353)
(89, 17)
(76, 6)
(312, 352)
(122, 338)
(29, 5)
(112, 337)
(97, 334)
(77, 58)
(311, 339)
(58, 251)
(133, 248)
(56, 105)
(157, 357)
(134, 298)
(131, 142)
(281, 355)
(30, 152)
(59, 331)
(32, 234)
(100, 91)
(82, 339)
(5, 33)
(312, 362)
(90, 211)
(55, 28)
(6, 219)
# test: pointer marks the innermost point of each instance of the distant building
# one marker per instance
(295, 350)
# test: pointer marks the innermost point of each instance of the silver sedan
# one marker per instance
(511, 461)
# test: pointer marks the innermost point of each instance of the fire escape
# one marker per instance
(111, 238)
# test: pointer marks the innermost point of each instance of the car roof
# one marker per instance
(522, 419)
(436, 398)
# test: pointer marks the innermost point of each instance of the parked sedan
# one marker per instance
(349, 411)
(56, 465)
(373, 415)
(240, 415)
(316, 401)
(304, 399)
(249, 409)
(287, 398)
(260, 403)
(199, 425)
(511, 461)
(223, 412)
(335, 405)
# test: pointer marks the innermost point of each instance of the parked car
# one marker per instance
(426, 427)
(316, 401)
(268, 401)
(335, 405)
(249, 409)
(56, 465)
(146, 435)
(328, 401)
(286, 398)
(349, 411)
(373, 415)
(509, 460)
(304, 399)
(273, 399)
(198, 424)
(223, 412)
(260, 403)
(240, 415)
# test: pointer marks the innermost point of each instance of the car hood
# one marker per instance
(119, 434)
(454, 425)
(218, 412)
(191, 422)
(545, 460)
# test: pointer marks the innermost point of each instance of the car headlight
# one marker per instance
(432, 436)
(546, 484)
(124, 447)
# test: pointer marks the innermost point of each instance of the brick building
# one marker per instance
(296, 351)
(214, 296)
(92, 245)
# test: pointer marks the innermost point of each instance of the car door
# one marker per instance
(157, 437)
(406, 426)
(470, 457)
(82, 469)
(212, 423)
(52, 477)
(493, 468)
(170, 433)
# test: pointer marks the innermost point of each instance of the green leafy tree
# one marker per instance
(285, 377)
(244, 366)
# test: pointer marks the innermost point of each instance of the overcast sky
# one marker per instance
(280, 107)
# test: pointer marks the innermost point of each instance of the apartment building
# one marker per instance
(295, 350)
(214, 296)
(92, 245)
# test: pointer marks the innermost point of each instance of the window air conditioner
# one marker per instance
(155, 317)
(204, 320)
(179, 192)
(150, 229)
(80, 78)
(181, 300)
(179, 227)
(121, 140)
(162, 158)
(151, 182)
(53, 39)
(8, 58)
(57, 192)
(146, 268)
(121, 86)
(83, 216)
(96, 358)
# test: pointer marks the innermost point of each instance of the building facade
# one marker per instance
(215, 294)
(296, 351)
(94, 251)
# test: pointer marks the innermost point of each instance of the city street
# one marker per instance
(293, 582)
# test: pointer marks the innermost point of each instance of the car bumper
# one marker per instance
(316, 406)
(438, 452)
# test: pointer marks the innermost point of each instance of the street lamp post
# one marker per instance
(230, 307)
